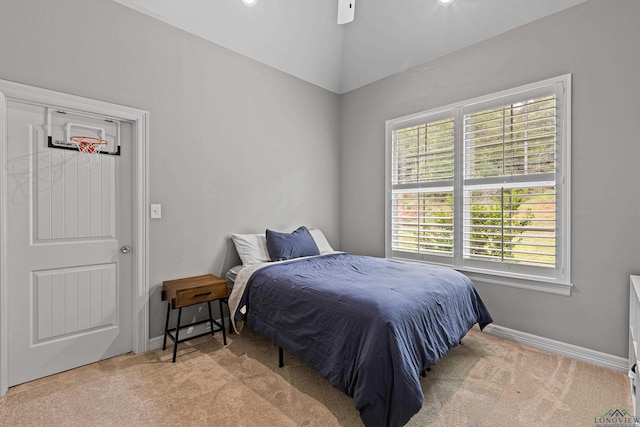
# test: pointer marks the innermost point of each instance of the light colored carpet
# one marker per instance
(485, 381)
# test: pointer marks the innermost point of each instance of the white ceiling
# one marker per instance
(302, 38)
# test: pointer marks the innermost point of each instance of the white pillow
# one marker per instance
(252, 248)
(321, 241)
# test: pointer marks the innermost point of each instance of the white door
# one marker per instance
(69, 285)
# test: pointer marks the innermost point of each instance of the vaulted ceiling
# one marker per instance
(302, 37)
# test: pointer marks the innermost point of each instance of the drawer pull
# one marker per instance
(202, 295)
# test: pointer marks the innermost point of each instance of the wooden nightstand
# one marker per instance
(189, 291)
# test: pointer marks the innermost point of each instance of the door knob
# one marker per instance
(125, 249)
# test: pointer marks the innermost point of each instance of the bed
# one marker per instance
(368, 325)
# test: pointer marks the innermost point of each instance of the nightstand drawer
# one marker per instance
(194, 290)
(201, 294)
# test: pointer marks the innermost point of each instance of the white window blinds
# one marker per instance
(482, 185)
(422, 179)
(509, 183)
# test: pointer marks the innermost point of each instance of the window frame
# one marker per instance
(553, 280)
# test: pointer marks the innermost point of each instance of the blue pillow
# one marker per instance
(283, 246)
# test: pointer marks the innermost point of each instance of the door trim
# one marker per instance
(140, 118)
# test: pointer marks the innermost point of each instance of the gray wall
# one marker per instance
(235, 146)
(598, 42)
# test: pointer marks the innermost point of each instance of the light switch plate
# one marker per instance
(156, 211)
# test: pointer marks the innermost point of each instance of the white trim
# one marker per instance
(156, 343)
(522, 281)
(4, 306)
(141, 236)
(538, 284)
(565, 178)
(23, 93)
(388, 253)
(583, 354)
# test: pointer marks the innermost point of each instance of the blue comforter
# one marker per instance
(368, 325)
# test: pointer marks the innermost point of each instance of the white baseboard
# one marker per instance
(156, 343)
(583, 354)
(185, 332)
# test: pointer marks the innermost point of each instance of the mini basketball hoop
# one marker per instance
(89, 146)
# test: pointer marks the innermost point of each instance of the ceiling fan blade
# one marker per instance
(346, 11)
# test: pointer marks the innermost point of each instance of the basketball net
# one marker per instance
(89, 147)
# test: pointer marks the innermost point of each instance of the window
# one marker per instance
(482, 185)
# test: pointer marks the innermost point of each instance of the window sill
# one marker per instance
(531, 284)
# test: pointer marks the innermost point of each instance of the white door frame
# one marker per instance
(23, 93)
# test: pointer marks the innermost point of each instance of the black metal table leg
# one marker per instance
(224, 330)
(175, 344)
(166, 326)
(231, 331)
(210, 318)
